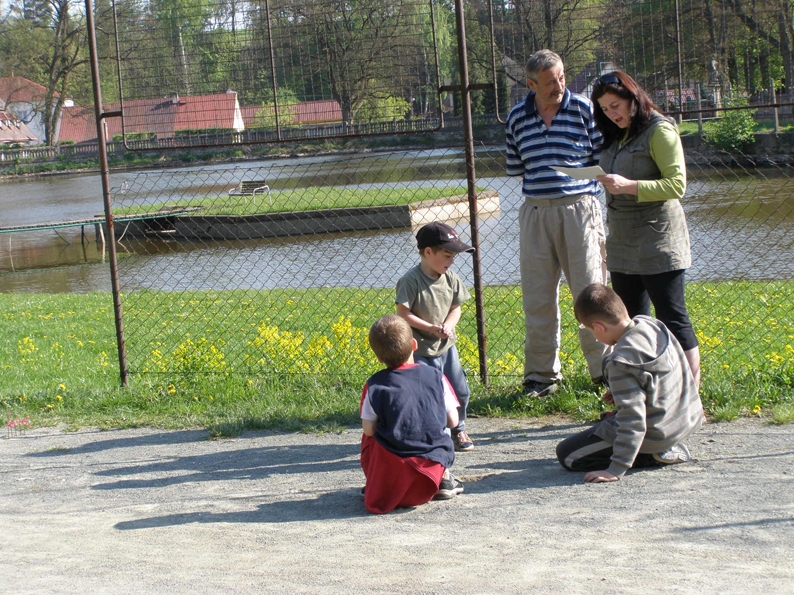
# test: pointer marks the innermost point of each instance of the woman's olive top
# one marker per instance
(648, 233)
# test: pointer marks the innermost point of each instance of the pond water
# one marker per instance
(740, 228)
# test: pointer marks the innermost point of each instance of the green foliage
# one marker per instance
(293, 359)
(687, 127)
(188, 132)
(782, 414)
(383, 109)
(733, 131)
(306, 199)
(287, 112)
(129, 136)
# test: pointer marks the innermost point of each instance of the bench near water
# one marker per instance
(249, 188)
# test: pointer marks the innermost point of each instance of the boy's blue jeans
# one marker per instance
(449, 363)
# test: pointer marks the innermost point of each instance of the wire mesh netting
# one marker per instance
(280, 268)
(217, 73)
(287, 279)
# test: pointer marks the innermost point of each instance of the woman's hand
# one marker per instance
(616, 184)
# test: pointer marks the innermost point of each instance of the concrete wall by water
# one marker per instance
(301, 223)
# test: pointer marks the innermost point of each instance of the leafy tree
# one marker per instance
(178, 23)
(377, 109)
(67, 53)
(359, 44)
(773, 22)
(287, 113)
(571, 28)
(35, 12)
(733, 131)
(49, 48)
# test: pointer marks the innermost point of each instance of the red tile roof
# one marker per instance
(78, 124)
(19, 89)
(161, 116)
(13, 130)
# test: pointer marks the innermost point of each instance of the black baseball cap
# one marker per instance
(440, 235)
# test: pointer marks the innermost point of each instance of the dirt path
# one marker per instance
(150, 511)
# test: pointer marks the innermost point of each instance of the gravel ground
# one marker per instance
(151, 511)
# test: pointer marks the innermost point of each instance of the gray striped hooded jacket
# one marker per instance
(656, 401)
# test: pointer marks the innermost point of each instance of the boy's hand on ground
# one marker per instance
(608, 398)
(599, 476)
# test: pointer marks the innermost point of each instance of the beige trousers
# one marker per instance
(558, 236)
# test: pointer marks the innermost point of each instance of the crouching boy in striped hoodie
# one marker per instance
(657, 405)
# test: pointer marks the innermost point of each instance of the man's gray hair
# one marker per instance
(540, 61)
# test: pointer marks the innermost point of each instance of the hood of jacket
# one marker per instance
(644, 346)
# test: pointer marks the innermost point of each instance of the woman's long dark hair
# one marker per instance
(627, 88)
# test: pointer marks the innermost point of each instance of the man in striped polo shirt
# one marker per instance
(561, 229)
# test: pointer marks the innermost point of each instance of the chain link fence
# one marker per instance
(214, 73)
(287, 279)
(278, 267)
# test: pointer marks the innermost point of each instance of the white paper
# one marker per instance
(581, 173)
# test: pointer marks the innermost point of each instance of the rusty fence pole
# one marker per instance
(101, 129)
(468, 138)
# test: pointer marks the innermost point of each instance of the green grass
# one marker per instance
(761, 126)
(688, 127)
(769, 126)
(296, 359)
(304, 199)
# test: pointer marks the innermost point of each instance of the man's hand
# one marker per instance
(600, 476)
(608, 397)
(440, 331)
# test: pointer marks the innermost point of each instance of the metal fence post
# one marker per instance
(700, 109)
(105, 174)
(468, 137)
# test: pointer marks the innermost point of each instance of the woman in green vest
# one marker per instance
(648, 242)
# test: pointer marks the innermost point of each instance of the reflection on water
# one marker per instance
(740, 229)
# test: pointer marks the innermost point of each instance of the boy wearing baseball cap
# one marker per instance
(429, 297)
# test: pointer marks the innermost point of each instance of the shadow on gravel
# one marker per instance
(757, 523)
(544, 433)
(516, 475)
(344, 504)
(179, 437)
(250, 463)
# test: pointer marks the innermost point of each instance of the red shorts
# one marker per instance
(394, 481)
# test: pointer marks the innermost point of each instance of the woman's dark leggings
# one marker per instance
(666, 292)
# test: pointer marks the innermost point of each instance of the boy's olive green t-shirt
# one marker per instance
(431, 300)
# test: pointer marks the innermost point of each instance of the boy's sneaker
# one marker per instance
(462, 441)
(535, 389)
(449, 488)
(677, 454)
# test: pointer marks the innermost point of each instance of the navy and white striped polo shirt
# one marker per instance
(572, 141)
